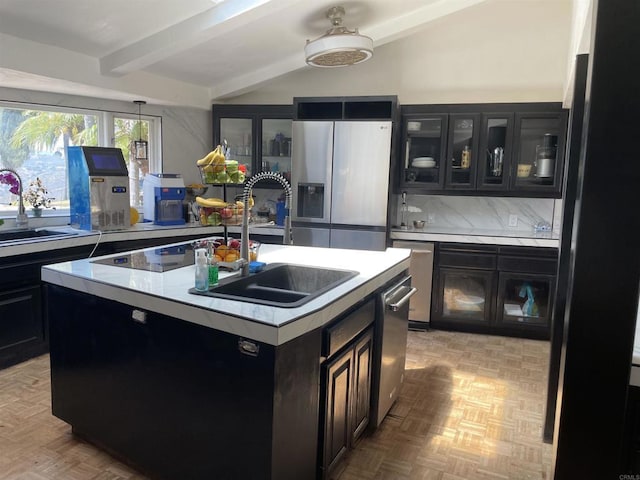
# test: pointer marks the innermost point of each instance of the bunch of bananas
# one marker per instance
(220, 203)
(214, 157)
(211, 202)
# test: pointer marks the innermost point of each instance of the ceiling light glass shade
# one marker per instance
(338, 47)
(338, 50)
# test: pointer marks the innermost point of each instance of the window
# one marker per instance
(34, 138)
(33, 143)
(125, 132)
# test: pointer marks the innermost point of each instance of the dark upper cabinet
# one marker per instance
(381, 107)
(538, 147)
(462, 151)
(424, 156)
(258, 136)
(496, 149)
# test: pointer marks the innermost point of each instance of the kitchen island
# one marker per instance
(188, 386)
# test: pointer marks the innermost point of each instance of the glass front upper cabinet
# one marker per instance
(276, 146)
(538, 149)
(495, 151)
(237, 132)
(462, 148)
(424, 155)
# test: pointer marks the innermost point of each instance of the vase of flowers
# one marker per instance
(10, 177)
(37, 195)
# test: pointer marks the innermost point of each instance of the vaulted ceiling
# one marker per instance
(186, 52)
(182, 52)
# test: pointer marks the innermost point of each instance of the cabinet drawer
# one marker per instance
(519, 251)
(467, 260)
(527, 265)
(347, 328)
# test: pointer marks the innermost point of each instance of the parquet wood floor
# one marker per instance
(471, 408)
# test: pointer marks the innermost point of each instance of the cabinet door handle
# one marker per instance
(248, 348)
(405, 298)
(139, 316)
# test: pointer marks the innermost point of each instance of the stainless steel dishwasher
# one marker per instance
(421, 270)
(391, 346)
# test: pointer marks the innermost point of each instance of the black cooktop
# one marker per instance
(154, 259)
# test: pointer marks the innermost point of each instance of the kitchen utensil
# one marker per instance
(418, 223)
(544, 167)
(546, 156)
(524, 170)
(469, 300)
(423, 162)
(496, 161)
(403, 209)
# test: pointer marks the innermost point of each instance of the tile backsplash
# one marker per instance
(483, 213)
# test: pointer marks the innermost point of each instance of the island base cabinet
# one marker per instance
(346, 392)
(179, 400)
(22, 330)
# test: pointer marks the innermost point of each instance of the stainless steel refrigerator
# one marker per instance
(340, 180)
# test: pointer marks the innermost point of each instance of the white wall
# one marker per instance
(499, 51)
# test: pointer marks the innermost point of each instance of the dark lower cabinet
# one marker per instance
(347, 397)
(345, 393)
(23, 330)
(503, 290)
(23, 333)
(337, 432)
(179, 400)
(466, 296)
(362, 384)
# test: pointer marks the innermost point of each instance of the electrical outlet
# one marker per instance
(431, 218)
(513, 220)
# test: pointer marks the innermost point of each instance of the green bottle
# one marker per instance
(213, 271)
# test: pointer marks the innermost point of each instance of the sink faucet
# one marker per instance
(244, 235)
(22, 220)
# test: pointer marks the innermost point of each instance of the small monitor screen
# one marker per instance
(105, 161)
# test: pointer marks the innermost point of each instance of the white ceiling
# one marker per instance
(182, 52)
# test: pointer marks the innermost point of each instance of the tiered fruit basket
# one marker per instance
(215, 169)
(222, 173)
(231, 214)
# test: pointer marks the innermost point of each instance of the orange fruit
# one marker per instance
(218, 258)
(135, 217)
(222, 251)
(231, 257)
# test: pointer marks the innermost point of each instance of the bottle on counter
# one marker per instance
(212, 265)
(212, 270)
(202, 270)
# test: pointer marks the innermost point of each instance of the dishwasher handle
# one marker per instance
(407, 293)
(399, 294)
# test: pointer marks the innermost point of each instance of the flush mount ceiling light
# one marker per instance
(338, 47)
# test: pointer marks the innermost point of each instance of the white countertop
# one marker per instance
(138, 231)
(167, 292)
(489, 237)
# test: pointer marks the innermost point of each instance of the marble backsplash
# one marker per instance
(479, 213)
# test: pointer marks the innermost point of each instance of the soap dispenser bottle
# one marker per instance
(202, 270)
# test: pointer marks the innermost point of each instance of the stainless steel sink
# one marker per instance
(30, 234)
(282, 285)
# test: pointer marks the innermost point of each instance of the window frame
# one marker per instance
(106, 138)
